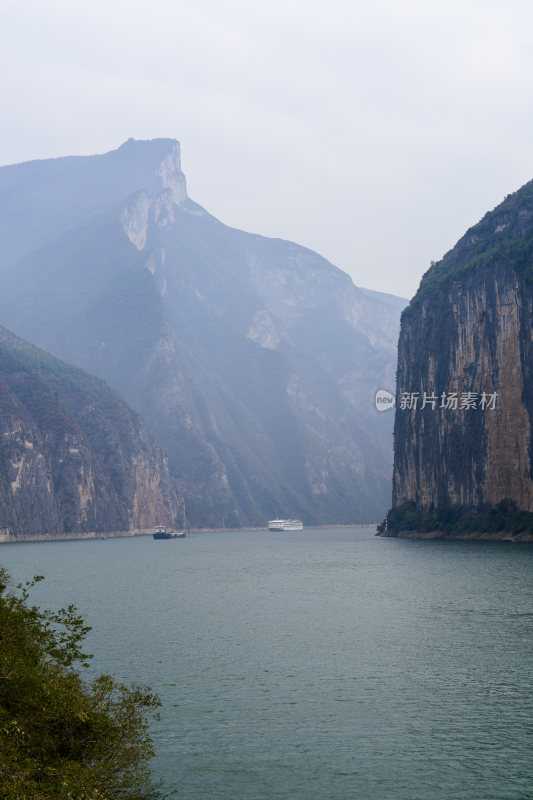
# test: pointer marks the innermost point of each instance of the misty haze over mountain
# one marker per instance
(253, 361)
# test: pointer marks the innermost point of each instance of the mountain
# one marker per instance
(74, 458)
(464, 452)
(253, 361)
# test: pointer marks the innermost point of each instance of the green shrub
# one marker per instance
(61, 737)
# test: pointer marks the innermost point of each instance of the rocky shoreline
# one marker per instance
(7, 538)
(470, 536)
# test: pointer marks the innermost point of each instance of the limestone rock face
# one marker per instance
(73, 457)
(468, 335)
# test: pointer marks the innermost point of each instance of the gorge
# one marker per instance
(254, 362)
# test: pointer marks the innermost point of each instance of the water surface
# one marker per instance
(316, 665)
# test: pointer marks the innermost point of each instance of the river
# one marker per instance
(326, 664)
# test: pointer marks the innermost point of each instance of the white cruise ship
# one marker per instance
(285, 525)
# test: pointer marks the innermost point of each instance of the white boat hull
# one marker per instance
(285, 525)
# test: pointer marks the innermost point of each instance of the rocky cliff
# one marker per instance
(253, 361)
(463, 426)
(73, 457)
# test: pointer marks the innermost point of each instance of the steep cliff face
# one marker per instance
(73, 457)
(254, 362)
(463, 426)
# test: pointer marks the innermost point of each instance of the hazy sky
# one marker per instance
(374, 132)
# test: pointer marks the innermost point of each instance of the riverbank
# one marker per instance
(466, 536)
(6, 537)
(9, 538)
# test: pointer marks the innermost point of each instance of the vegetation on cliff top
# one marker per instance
(503, 237)
(61, 737)
(505, 517)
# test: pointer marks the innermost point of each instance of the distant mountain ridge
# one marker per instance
(253, 361)
(73, 457)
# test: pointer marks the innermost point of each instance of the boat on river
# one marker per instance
(160, 532)
(285, 525)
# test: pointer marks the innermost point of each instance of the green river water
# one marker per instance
(317, 665)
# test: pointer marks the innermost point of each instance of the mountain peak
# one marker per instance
(158, 146)
(62, 193)
(156, 202)
(162, 157)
